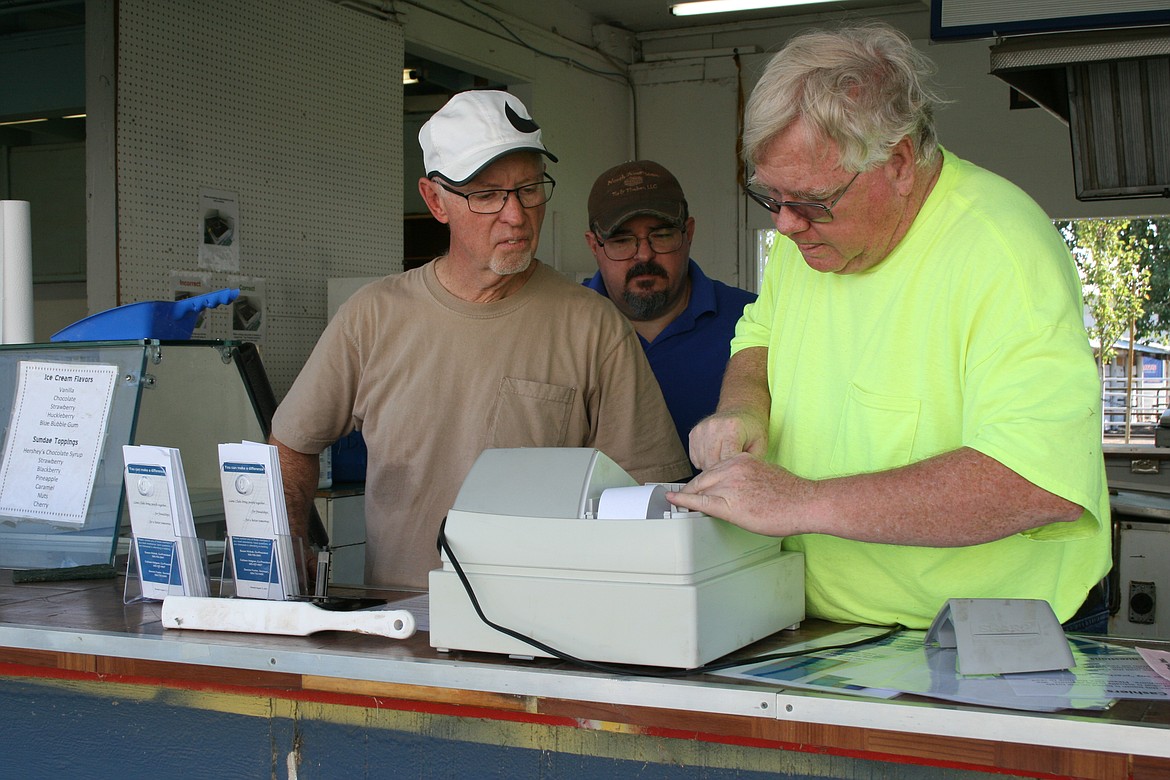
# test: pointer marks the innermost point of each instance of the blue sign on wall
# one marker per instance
(1152, 367)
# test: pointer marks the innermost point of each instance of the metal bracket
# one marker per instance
(1145, 466)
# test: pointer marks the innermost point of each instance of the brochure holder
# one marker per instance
(259, 569)
(164, 569)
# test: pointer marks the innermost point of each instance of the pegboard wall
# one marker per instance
(293, 106)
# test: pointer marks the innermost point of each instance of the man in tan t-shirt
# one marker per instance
(484, 347)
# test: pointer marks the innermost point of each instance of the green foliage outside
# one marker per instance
(1153, 237)
(1124, 266)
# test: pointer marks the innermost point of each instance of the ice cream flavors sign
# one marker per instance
(51, 453)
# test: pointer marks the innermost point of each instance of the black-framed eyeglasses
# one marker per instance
(493, 201)
(806, 210)
(662, 241)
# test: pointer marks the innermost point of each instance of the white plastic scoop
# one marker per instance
(290, 618)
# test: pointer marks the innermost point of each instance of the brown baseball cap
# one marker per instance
(633, 188)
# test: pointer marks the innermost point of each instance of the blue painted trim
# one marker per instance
(1056, 24)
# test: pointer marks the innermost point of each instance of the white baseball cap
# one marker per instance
(473, 130)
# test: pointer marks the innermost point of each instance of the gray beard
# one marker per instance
(510, 269)
(646, 306)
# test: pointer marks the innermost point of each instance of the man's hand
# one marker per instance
(724, 435)
(751, 493)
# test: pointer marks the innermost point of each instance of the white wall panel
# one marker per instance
(293, 105)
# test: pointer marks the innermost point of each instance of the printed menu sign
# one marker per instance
(54, 443)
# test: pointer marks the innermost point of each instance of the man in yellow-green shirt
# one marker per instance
(912, 402)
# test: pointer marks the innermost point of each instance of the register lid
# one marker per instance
(539, 481)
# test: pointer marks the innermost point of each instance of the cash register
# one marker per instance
(561, 546)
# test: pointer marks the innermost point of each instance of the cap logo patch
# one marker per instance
(519, 122)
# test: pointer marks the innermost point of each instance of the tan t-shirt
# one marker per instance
(432, 380)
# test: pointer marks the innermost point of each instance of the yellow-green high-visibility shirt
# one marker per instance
(969, 334)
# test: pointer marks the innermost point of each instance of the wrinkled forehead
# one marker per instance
(793, 159)
(799, 144)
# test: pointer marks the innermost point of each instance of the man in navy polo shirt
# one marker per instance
(640, 233)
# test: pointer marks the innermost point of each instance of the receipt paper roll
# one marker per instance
(642, 502)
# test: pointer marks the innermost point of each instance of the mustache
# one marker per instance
(647, 268)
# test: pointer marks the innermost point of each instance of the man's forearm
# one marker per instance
(956, 499)
(745, 384)
(301, 472)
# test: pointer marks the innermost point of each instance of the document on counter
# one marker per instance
(55, 435)
(902, 663)
(1158, 660)
(259, 539)
(1113, 670)
(819, 669)
(166, 550)
(1102, 674)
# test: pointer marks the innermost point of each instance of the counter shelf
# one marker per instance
(83, 628)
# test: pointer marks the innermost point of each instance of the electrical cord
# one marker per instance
(510, 34)
(620, 669)
(558, 57)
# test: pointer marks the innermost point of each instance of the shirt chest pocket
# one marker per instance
(530, 414)
(876, 432)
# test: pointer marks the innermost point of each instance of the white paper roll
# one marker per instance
(16, 306)
(642, 502)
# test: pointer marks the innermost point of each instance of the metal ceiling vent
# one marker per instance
(1112, 88)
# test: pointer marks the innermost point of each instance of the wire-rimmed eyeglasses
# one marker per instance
(662, 241)
(493, 201)
(806, 210)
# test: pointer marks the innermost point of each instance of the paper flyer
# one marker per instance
(259, 541)
(59, 417)
(186, 285)
(167, 552)
(249, 315)
(1158, 660)
(219, 231)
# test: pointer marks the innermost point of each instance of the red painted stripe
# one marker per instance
(320, 697)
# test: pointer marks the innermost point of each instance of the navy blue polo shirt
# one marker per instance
(689, 356)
